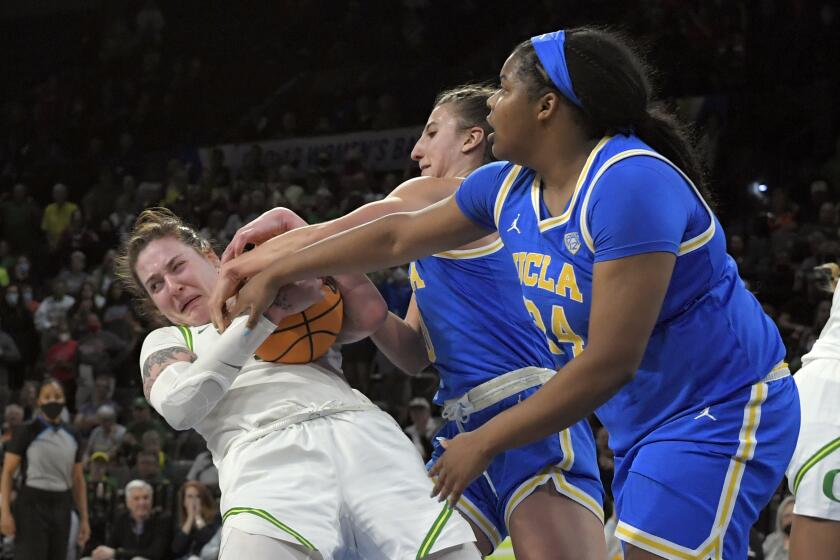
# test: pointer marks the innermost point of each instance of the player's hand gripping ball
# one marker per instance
(306, 336)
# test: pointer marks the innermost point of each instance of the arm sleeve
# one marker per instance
(185, 392)
(476, 197)
(640, 205)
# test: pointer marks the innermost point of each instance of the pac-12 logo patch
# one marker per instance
(572, 240)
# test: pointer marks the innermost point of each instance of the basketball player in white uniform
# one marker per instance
(814, 471)
(308, 467)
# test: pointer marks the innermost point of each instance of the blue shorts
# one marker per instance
(693, 487)
(567, 459)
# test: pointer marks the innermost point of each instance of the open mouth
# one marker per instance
(189, 303)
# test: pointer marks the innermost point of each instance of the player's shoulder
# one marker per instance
(494, 172)
(167, 337)
(427, 190)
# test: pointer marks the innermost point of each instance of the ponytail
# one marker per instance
(661, 130)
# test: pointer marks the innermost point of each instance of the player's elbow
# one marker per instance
(363, 322)
(181, 418)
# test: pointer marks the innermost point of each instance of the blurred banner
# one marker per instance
(381, 150)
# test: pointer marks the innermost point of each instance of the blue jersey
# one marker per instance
(711, 338)
(473, 319)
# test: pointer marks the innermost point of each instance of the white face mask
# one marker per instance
(12, 299)
(64, 337)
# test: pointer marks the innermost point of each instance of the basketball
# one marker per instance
(306, 336)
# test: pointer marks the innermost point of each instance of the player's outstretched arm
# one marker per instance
(279, 232)
(389, 241)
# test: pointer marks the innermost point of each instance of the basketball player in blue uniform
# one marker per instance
(623, 266)
(468, 311)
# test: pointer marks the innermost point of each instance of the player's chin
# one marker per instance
(198, 316)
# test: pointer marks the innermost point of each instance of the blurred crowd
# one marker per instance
(111, 123)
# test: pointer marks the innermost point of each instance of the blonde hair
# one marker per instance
(151, 224)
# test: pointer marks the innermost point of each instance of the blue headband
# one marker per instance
(549, 48)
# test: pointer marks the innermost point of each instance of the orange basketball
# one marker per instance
(306, 336)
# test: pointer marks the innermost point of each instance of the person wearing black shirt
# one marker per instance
(138, 531)
(198, 522)
(49, 456)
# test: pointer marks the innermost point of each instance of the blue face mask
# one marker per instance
(12, 299)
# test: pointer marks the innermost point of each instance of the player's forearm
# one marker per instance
(185, 392)
(389, 241)
(301, 237)
(402, 344)
(364, 308)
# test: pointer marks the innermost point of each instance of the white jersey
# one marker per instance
(263, 393)
(828, 344)
(305, 459)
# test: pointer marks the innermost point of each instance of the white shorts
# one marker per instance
(814, 471)
(349, 485)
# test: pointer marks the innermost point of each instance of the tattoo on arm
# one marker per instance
(282, 301)
(158, 361)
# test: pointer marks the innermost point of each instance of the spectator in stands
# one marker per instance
(151, 443)
(19, 323)
(188, 444)
(108, 435)
(147, 467)
(218, 170)
(423, 426)
(12, 419)
(138, 532)
(204, 471)
(28, 398)
(86, 418)
(52, 480)
(101, 352)
(53, 309)
(75, 275)
(7, 263)
(103, 275)
(61, 360)
(198, 521)
(142, 421)
(89, 301)
(103, 493)
(99, 200)
(78, 237)
(777, 543)
(10, 356)
(57, 215)
(20, 217)
(150, 23)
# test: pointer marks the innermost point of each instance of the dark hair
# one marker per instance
(613, 84)
(151, 224)
(470, 104)
(50, 381)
